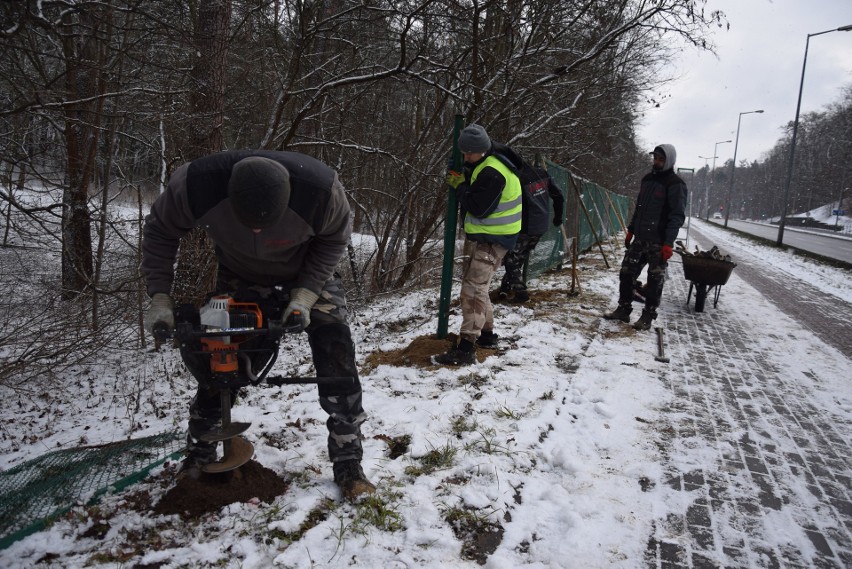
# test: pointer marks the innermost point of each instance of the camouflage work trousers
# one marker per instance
(514, 262)
(639, 254)
(333, 354)
(480, 264)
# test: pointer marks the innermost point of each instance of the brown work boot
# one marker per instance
(621, 313)
(349, 476)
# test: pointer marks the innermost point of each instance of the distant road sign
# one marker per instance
(838, 212)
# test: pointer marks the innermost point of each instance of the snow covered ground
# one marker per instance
(549, 453)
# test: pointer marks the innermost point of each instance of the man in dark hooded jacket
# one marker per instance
(280, 222)
(658, 216)
(534, 221)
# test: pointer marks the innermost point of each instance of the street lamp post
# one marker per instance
(734, 165)
(780, 240)
(707, 191)
(705, 204)
(839, 208)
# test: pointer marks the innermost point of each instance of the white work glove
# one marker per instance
(161, 311)
(302, 301)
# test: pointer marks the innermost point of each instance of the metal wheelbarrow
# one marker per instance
(706, 275)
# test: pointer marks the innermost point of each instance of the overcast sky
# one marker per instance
(759, 66)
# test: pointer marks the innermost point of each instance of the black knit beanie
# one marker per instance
(259, 190)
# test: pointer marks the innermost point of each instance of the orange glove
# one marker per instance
(666, 252)
(628, 239)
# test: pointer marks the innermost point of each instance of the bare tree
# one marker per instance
(820, 174)
(62, 95)
(101, 101)
(195, 273)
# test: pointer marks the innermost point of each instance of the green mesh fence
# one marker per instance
(592, 215)
(33, 493)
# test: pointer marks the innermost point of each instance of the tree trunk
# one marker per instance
(207, 98)
(195, 274)
(83, 50)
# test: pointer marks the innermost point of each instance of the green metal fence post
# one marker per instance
(449, 239)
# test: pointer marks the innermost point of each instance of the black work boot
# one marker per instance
(487, 339)
(521, 296)
(621, 313)
(645, 321)
(191, 468)
(504, 291)
(462, 355)
(198, 453)
(349, 476)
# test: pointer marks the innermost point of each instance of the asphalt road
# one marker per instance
(837, 247)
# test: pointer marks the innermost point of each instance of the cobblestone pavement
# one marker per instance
(777, 460)
(811, 308)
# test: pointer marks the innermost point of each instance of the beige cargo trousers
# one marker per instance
(481, 261)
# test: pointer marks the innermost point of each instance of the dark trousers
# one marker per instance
(333, 354)
(638, 255)
(515, 260)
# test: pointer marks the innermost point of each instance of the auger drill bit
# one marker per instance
(236, 450)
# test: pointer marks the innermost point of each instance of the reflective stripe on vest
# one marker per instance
(506, 218)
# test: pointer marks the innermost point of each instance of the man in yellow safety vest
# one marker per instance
(489, 193)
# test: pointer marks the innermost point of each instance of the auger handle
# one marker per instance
(185, 331)
(282, 380)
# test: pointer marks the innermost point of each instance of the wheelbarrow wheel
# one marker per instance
(700, 296)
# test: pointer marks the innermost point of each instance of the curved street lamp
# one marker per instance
(734, 166)
(707, 191)
(780, 240)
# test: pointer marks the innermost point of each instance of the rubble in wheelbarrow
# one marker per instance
(713, 253)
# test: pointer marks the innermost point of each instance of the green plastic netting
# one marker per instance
(33, 493)
(596, 219)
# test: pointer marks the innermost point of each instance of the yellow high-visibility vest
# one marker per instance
(506, 219)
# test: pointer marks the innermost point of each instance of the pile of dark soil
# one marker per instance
(420, 351)
(211, 492)
(417, 354)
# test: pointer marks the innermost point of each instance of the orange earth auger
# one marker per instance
(225, 335)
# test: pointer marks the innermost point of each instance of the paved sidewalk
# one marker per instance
(811, 308)
(776, 458)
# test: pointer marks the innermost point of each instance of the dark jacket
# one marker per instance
(539, 189)
(537, 197)
(301, 250)
(659, 212)
(481, 198)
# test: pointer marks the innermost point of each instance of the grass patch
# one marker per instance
(463, 424)
(378, 510)
(505, 412)
(435, 459)
(315, 517)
